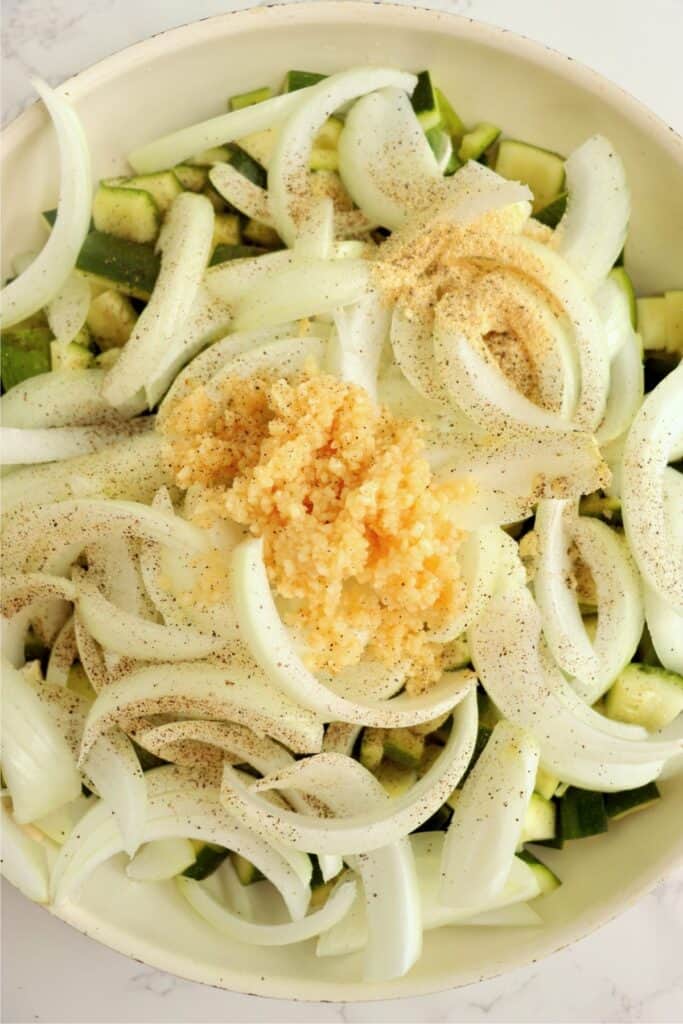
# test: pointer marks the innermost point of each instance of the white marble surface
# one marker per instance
(631, 970)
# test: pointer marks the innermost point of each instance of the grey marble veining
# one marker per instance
(632, 969)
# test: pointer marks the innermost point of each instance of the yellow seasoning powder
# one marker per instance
(359, 539)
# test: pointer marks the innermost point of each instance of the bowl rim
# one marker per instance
(494, 37)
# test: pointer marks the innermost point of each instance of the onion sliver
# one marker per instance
(50, 537)
(665, 622)
(60, 398)
(240, 192)
(273, 649)
(231, 692)
(251, 933)
(120, 631)
(355, 347)
(487, 821)
(161, 859)
(37, 763)
(281, 358)
(413, 348)
(533, 693)
(20, 446)
(132, 469)
(626, 389)
(170, 815)
(185, 245)
(113, 766)
(309, 288)
(592, 231)
(217, 131)
(40, 282)
(288, 172)
(480, 556)
(22, 590)
(62, 654)
(385, 161)
(594, 665)
(67, 312)
(656, 430)
(360, 832)
(24, 863)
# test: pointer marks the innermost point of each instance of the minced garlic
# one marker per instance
(359, 539)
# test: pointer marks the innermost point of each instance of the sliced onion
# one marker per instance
(592, 231)
(594, 665)
(282, 358)
(112, 567)
(233, 692)
(113, 766)
(161, 859)
(42, 280)
(217, 131)
(62, 654)
(664, 622)
(288, 173)
(129, 634)
(356, 345)
(55, 444)
(309, 288)
(487, 821)
(68, 311)
(132, 469)
(367, 679)
(39, 768)
(22, 590)
(413, 348)
(626, 390)
(334, 777)
(240, 192)
(91, 657)
(61, 398)
(385, 161)
(656, 430)
(273, 649)
(534, 694)
(235, 927)
(480, 556)
(50, 537)
(186, 813)
(24, 863)
(232, 280)
(340, 738)
(185, 244)
(315, 239)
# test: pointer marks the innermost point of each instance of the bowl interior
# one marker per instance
(186, 75)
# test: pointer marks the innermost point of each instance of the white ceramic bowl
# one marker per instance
(185, 75)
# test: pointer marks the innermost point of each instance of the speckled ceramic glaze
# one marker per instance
(184, 75)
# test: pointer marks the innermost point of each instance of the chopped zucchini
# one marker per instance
(209, 857)
(372, 748)
(301, 80)
(223, 253)
(105, 360)
(619, 805)
(246, 871)
(601, 506)
(621, 278)
(215, 155)
(246, 165)
(581, 813)
(261, 234)
(552, 214)
(425, 101)
(646, 695)
(226, 229)
(674, 320)
(24, 354)
(324, 159)
(540, 169)
(432, 751)
(403, 747)
(441, 145)
(128, 267)
(652, 322)
(163, 186)
(547, 879)
(396, 778)
(646, 653)
(546, 783)
(431, 726)
(457, 654)
(72, 356)
(324, 156)
(111, 318)
(260, 145)
(539, 819)
(129, 213)
(248, 99)
(78, 682)
(449, 118)
(193, 179)
(475, 143)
